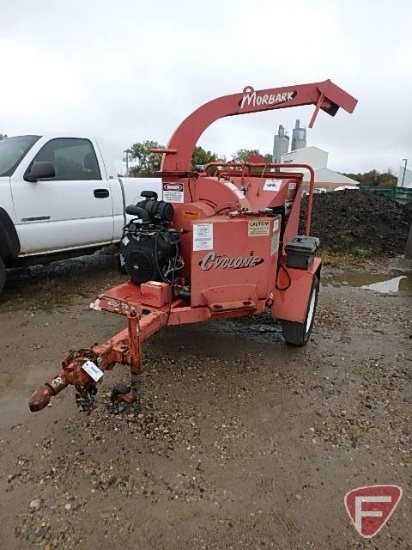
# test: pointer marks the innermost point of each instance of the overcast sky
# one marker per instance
(131, 70)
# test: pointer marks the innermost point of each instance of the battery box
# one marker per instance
(300, 251)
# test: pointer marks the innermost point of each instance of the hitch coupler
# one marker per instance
(41, 397)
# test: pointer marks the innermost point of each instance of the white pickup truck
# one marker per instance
(60, 196)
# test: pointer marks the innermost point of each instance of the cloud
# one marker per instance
(130, 71)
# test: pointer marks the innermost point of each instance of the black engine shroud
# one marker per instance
(150, 247)
(150, 255)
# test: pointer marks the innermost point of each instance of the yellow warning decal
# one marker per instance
(258, 228)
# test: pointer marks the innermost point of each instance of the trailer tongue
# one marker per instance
(222, 243)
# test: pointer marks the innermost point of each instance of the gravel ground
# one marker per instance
(241, 442)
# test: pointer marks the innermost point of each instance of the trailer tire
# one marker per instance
(2, 275)
(298, 334)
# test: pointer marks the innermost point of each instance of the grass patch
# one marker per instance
(339, 259)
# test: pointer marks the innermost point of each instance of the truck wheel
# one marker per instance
(120, 263)
(2, 275)
(298, 334)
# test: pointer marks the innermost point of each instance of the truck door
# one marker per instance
(72, 210)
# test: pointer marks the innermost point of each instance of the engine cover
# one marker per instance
(150, 255)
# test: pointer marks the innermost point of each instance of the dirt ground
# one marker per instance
(242, 442)
(361, 222)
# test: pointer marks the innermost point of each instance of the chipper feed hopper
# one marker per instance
(221, 242)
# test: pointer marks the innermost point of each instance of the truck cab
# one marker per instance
(60, 194)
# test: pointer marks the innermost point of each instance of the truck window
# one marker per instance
(12, 152)
(72, 158)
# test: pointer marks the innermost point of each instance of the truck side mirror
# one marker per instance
(39, 171)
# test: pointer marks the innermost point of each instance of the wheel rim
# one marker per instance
(311, 310)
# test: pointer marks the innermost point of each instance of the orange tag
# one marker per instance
(190, 215)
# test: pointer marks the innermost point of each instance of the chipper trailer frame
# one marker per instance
(223, 242)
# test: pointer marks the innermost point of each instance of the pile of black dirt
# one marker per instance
(358, 222)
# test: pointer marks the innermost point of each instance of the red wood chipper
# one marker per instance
(222, 242)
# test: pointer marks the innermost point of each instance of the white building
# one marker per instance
(404, 178)
(318, 159)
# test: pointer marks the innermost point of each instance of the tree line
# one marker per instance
(373, 178)
(146, 163)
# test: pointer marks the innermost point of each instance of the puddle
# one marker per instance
(377, 282)
(391, 285)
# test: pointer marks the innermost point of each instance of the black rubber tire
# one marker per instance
(2, 275)
(298, 334)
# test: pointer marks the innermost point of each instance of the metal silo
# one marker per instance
(280, 144)
(298, 137)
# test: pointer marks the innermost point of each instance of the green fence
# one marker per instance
(399, 194)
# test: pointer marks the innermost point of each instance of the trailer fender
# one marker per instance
(292, 292)
(9, 240)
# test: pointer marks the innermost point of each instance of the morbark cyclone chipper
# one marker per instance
(222, 242)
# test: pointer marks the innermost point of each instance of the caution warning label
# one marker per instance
(258, 228)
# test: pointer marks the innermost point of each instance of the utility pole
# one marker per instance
(127, 152)
(404, 171)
